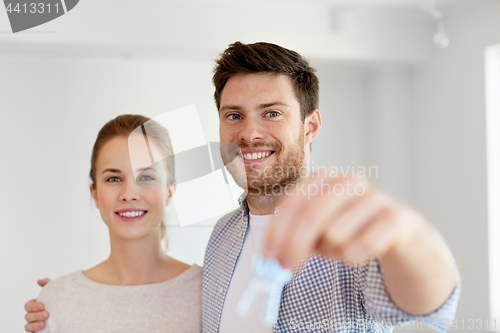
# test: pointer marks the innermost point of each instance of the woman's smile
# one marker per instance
(131, 214)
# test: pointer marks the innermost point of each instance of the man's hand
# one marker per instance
(338, 217)
(36, 314)
(347, 219)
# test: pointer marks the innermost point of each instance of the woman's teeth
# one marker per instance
(255, 156)
(132, 214)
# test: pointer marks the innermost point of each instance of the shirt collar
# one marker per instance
(242, 201)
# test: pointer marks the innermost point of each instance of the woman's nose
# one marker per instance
(130, 191)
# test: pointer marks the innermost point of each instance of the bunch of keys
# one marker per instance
(269, 278)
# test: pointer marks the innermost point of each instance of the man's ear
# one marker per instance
(171, 192)
(312, 126)
(93, 193)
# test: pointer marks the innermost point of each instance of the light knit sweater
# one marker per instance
(77, 304)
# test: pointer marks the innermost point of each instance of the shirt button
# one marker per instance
(240, 233)
(221, 290)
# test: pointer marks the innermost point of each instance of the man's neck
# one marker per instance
(265, 204)
(262, 205)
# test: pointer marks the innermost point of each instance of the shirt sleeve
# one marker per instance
(383, 310)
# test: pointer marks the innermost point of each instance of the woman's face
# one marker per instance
(130, 211)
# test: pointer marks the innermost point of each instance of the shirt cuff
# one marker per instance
(383, 310)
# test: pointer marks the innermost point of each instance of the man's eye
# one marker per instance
(273, 114)
(114, 179)
(234, 116)
(147, 178)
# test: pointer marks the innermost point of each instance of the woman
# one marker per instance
(138, 288)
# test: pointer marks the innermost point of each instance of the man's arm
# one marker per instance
(36, 314)
(419, 274)
(355, 224)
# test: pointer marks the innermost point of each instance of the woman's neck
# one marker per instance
(138, 261)
(135, 262)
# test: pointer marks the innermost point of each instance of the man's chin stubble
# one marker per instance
(269, 195)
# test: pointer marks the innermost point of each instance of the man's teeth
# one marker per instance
(255, 156)
(132, 214)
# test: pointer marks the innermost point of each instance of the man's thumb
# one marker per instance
(43, 282)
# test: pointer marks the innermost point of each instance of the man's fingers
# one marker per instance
(326, 249)
(33, 327)
(358, 213)
(33, 317)
(36, 314)
(33, 306)
(43, 282)
(374, 239)
(312, 219)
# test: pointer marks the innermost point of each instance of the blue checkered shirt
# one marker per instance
(324, 295)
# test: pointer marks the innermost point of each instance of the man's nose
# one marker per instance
(130, 191)
(251, 130)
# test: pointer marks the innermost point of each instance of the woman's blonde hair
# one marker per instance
(124, 125)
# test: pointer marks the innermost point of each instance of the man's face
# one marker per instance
(261, 114)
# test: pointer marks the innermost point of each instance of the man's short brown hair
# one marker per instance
(266, 57)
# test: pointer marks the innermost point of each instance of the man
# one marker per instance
(360, 261)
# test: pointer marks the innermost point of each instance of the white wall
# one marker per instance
(342, 107)
(449, 161)
(492, 85)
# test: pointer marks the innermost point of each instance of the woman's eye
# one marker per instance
(113, 179)
(273, 114)
(147, 178)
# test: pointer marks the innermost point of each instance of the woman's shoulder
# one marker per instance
(60, 285)
(196, 270)
(180, 270)
(188, 282)
(192, 275)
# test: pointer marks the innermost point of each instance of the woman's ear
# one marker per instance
(171, 192)
(93, 193)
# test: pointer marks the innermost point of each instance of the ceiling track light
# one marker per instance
(440, 36)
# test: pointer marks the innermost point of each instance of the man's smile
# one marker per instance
(253, 155)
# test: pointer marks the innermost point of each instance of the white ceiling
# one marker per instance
(339, 30)
(361, 3)
(390, 3)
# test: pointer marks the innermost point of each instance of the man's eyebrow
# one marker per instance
(261, 106)
(277, 103)
(112, 170)
(229, 107)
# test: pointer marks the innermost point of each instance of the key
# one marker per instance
(269, 278)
